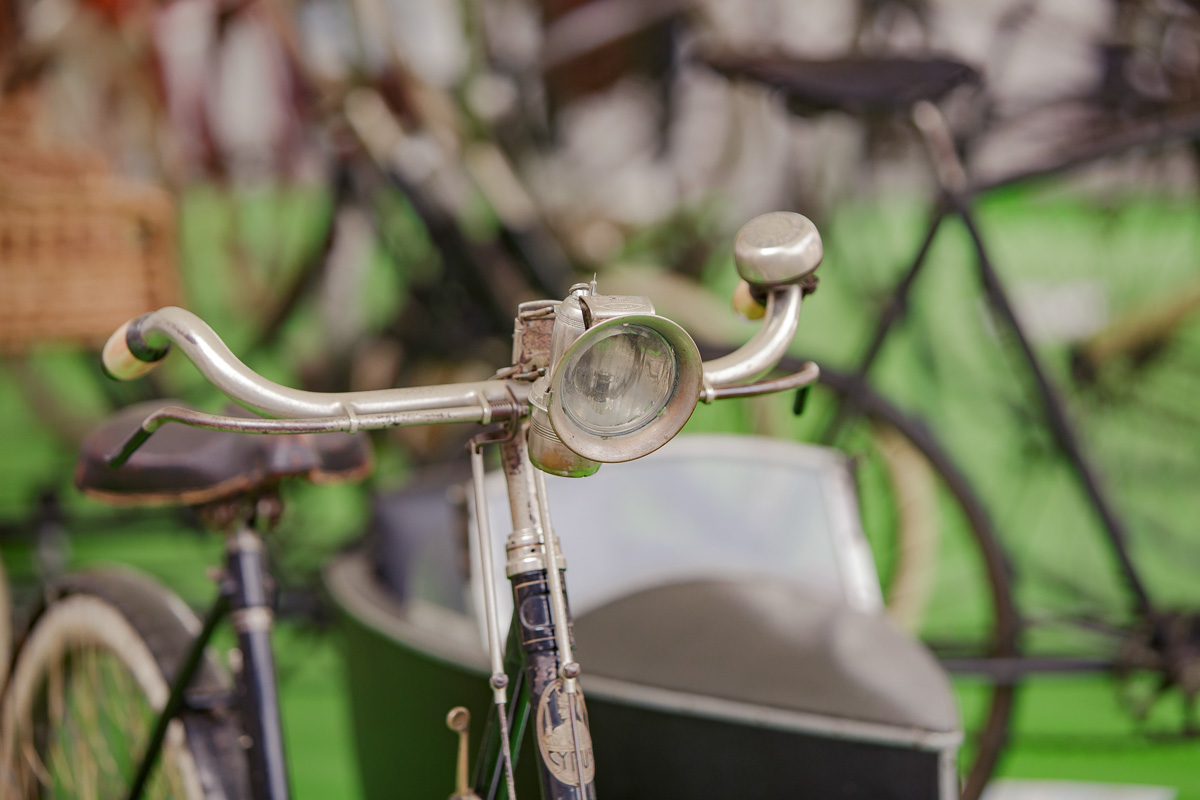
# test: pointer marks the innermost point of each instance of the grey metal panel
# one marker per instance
(709, 505)
(770, 643)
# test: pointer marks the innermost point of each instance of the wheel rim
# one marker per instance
(941, 569)
(81, 706)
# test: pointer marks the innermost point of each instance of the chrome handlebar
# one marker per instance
(299, 411)
(136, 347)
(203, 347)
(763, 351)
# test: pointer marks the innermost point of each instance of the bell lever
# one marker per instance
(499, 679)
(804, 378)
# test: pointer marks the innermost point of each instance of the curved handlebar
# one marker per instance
(768, 345)
(144, 341)
(140, 344)
(777, 251)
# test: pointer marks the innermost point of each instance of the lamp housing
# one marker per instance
(622, 382)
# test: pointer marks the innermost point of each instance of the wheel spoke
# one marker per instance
(79, 707)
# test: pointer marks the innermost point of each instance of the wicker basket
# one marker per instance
(81, 251)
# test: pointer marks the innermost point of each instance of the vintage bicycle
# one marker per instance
(114, 691)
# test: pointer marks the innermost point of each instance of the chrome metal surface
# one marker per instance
(599, 307)
(765, 348)
(491, 621)
(573, 701)
(948, 788)
(569, 325)
(531, 336)
(562, 630)
(498, 680)
(524, 549)
(558, 598)
(542, 347)
(777, 249)
(808, 374)
(522, 492)
(223, 369)
(506, 751)
(661, 429)
(546, 448)
(254, 618)
(349, 423)
(525, 544)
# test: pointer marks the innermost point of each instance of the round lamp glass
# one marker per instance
(620, 383)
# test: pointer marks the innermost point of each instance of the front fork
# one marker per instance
(558, 717)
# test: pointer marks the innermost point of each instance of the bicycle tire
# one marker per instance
(6, 629)
(98, 661)
(869, 423)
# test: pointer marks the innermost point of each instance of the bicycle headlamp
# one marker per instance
(622, 382)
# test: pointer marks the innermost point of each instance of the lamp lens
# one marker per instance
(620, 383)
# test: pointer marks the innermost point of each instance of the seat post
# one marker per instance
(249, 586)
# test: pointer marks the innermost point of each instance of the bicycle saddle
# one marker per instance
(180, 465)
(768, 642)
(855, 84)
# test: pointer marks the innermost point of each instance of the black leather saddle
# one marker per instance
(855, 84)
(181, 465)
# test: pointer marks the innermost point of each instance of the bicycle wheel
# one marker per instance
(943, 573)
(5, 628)
(84, 694)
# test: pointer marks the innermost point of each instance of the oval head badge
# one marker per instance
(777, 249)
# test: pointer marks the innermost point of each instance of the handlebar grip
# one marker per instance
(746, 304)
(127, 355)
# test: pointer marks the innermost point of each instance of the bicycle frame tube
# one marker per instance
(1057, 418)
(177, 699)
(559, 718)
(894, 312)
(257, 693)
(244, 593)
(958, 203)
(897, 306)
(489, 774)
(955, 197)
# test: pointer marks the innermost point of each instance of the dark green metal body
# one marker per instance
(403, 679)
